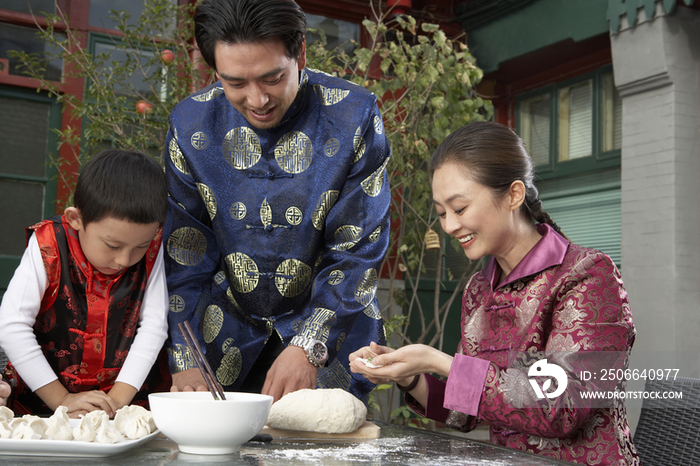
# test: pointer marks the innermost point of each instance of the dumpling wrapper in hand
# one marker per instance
(327, 410)
(6, 414)
(106, 433)
(368, 363)
(85, 432)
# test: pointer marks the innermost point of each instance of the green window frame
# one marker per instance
(99, 44)
(541, 117)
(573, 131)
(135, 90)
(9, 260)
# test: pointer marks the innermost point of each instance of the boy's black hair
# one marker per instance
(124, 185)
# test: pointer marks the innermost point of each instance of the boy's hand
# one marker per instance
(122, 394)
(54, 394)
(82, 403)
(5, 391)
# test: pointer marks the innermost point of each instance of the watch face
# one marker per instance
(319, 351)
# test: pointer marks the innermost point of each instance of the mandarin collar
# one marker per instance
(547, 252)
(300, 101)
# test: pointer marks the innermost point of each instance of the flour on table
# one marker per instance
(329, 410)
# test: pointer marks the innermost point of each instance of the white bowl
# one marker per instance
(201, 425)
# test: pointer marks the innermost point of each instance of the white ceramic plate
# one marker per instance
(48, 447)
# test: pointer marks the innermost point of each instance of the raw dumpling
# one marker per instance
(97, 417)
(35, 423)
(60, 430)
(106, 433)
(24, 432)
(6, 414)
(16, 422)
(329, 410)
(137, 428)
(5, 429)
(60, 413)
(131, 420)
(59, 427)
(85, 432)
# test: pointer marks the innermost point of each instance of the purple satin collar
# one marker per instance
(547, 252)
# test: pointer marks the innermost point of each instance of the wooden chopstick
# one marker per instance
(198, 359)
(212, 375)
(217, 391)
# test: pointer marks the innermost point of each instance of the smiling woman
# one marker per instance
(538, 294)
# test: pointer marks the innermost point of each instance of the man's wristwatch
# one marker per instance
(316, 350)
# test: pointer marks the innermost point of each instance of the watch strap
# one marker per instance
(307, 345)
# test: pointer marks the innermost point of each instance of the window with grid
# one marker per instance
(573, 131)
(28, 175)
(27, 179)
(339, 33)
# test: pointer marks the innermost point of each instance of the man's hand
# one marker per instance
(190, 380)
(290, 372)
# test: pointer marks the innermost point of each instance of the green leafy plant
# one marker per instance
(425, 85)
(129, 88)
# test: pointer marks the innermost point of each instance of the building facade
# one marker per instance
(616, 84)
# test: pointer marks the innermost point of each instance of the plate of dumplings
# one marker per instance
(93, 435)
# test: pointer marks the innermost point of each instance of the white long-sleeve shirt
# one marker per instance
(20, 307)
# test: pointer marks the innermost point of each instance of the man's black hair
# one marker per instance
(124, 185)
(248, 21)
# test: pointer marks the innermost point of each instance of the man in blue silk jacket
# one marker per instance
(279, 210)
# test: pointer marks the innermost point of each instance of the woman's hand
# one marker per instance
(368, 352)
(400, 365)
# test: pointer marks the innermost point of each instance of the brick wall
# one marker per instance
(657, 71)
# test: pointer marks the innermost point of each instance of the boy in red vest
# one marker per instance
(84, 317)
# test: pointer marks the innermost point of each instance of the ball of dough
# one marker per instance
(329, 410)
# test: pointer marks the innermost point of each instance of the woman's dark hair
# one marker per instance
(248, 21)
(124, 185)
(495, 157)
